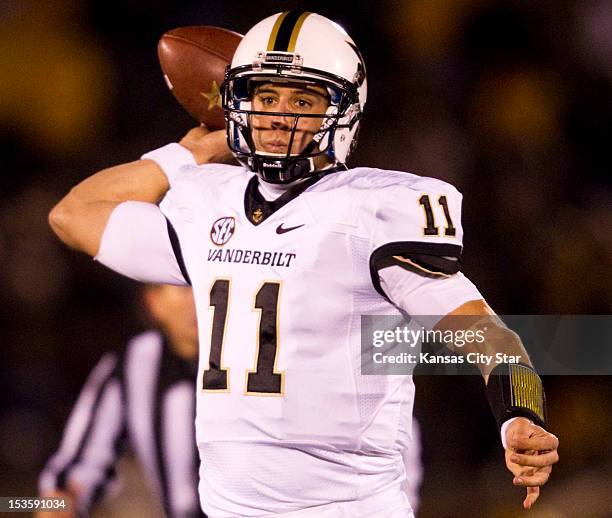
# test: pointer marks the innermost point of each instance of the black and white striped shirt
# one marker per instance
(144, 397)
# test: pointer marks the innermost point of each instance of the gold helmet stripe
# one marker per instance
(274, 32)
(296, 31)
(286, 30)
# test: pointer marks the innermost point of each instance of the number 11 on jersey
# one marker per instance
(431, 229)
(263, 380)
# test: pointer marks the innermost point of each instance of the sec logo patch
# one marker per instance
(222, 230)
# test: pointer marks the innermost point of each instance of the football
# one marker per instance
(193, 61)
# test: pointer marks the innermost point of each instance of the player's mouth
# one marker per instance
(276, 146)
(276, 141)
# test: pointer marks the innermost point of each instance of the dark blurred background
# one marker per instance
(511, 101)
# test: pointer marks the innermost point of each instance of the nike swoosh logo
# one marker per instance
(281, 230)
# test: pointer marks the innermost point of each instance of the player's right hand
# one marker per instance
(207, 146)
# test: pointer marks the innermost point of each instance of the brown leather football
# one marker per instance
(193, 60)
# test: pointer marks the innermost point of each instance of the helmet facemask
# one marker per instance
(303, 139)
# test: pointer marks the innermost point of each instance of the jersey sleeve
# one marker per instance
(141, 243)
(424, 298)
(417, 226)
(90, 446)
(172, 159)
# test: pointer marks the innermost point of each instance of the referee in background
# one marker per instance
(143, 397)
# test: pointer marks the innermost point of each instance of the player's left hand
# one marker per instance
(531, 451)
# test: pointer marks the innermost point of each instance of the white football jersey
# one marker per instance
(285, 420)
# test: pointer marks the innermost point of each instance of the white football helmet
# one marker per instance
(296, 47)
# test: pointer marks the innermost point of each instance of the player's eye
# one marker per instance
(303, 103)
(266, 100)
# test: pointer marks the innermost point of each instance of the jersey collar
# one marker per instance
(258, 209)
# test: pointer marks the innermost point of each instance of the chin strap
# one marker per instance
(283, 170)
(286, 169)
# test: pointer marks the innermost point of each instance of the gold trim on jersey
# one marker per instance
(422, 268)
(257, 215)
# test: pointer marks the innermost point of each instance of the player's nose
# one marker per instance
(282, 121)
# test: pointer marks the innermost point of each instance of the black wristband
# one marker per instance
(516, 391)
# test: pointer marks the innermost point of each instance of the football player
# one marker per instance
(285, 254)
